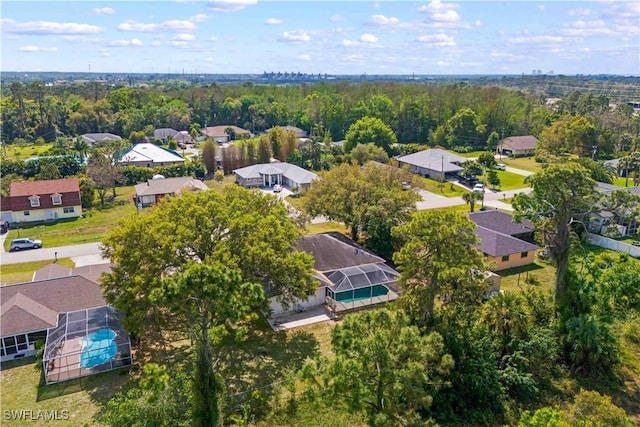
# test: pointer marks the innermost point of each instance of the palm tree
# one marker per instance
(504, 315)
(471, 197)
(631, 163)
(81, 148)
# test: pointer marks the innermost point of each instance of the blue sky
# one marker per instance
(346, 37)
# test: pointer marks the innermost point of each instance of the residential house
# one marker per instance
(349, 276)
(270, 174)
(517, 146)
(505, 243)
(225, 133)
(434, 163)
(92, 138)
(300, 133)
(165, 134)
(150, 192)
(150, 156)
(29, 309)
(47, 200)
(607, 222)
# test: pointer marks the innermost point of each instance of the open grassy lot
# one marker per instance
(91, 227)
(22, 152)
(297, 202)
(524, 163)
(540, 274)
(23, 272)
(469, 155)
(325, 227)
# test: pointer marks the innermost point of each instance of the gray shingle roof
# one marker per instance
(434, 159)
(333, 251)
(498, 244)
(525, 142)
(164, 133)
(27, 307)
(169, 186)
(501, 222)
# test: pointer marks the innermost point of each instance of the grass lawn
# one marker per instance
(444, 189)
(524, 163)
(22, 152)
(511, 181)
(92, 227)
(472, 154)
(23, 272)
(297, 202)
(81, 399)
(539, 274)
(458, 208)
(219, 185)
(326, 227)
(622, 181)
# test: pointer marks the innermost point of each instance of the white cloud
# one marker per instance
(37, 49)
(350, 43)
(436, 6)
(438, 40)
(537, 39)
(156, 43)
(173, 25)
(541, 7)
(200, 17)
(185, 37)
(580, 12)
(213, 39)
(448, 16)
(383, 20)
(81, 39)
(209, 59)
(47, 27)
(125, 43)
(355, 58)
(179, 44)
(295, 36)
(368, 38)
(336, 18)
(304, 57)
(103, 11)
(273, 21)
(230, 5)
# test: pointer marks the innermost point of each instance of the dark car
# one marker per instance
(25, 243)
(4, 227)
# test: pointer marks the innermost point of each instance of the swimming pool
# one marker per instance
(97, 348)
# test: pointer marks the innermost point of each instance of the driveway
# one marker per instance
(84, 250)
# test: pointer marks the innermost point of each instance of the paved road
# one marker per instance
(45, 253)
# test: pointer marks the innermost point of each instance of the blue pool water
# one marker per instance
(97, 348)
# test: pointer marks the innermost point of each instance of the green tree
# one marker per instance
(87, 192)
(464, 129)
(437, 257)
(48, 171)
(562, 194)
(362, 153)
(493, 178)
(208, 298)
(492, 141)
(209, 156)
(370, 130)
(264, 149)
(543, 417)
(243, 229)
(471, 197)
(398, 370)
(488, 160)
(110, 151)
(81, 148)
(592, 409)
(346, 193)
(472, 168)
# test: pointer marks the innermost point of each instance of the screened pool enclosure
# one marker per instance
(86, 342)
(361, 286)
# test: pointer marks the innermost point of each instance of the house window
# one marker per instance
(524, 254)
(35, 201)
(56, 199)
(26, 213)
(505, 258)
(68, 209)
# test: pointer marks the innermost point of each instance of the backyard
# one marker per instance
(22, 152)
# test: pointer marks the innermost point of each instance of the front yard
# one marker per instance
(446, 189)
(524, 163)
(23, 272)
(91, 227)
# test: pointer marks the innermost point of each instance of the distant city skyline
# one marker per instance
(355, 37)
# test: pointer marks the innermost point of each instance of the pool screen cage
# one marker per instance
(86, 342)
(361, 286)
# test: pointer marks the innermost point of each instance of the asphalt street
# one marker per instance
(46, 253)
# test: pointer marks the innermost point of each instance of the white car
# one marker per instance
(501, 167)
(277, 188)
(25, 243)
(479, 188)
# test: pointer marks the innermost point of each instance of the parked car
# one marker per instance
(4, 227)
(25, 243)
(277, 188)
(501, 167)
(406, 185)
(479, 188)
